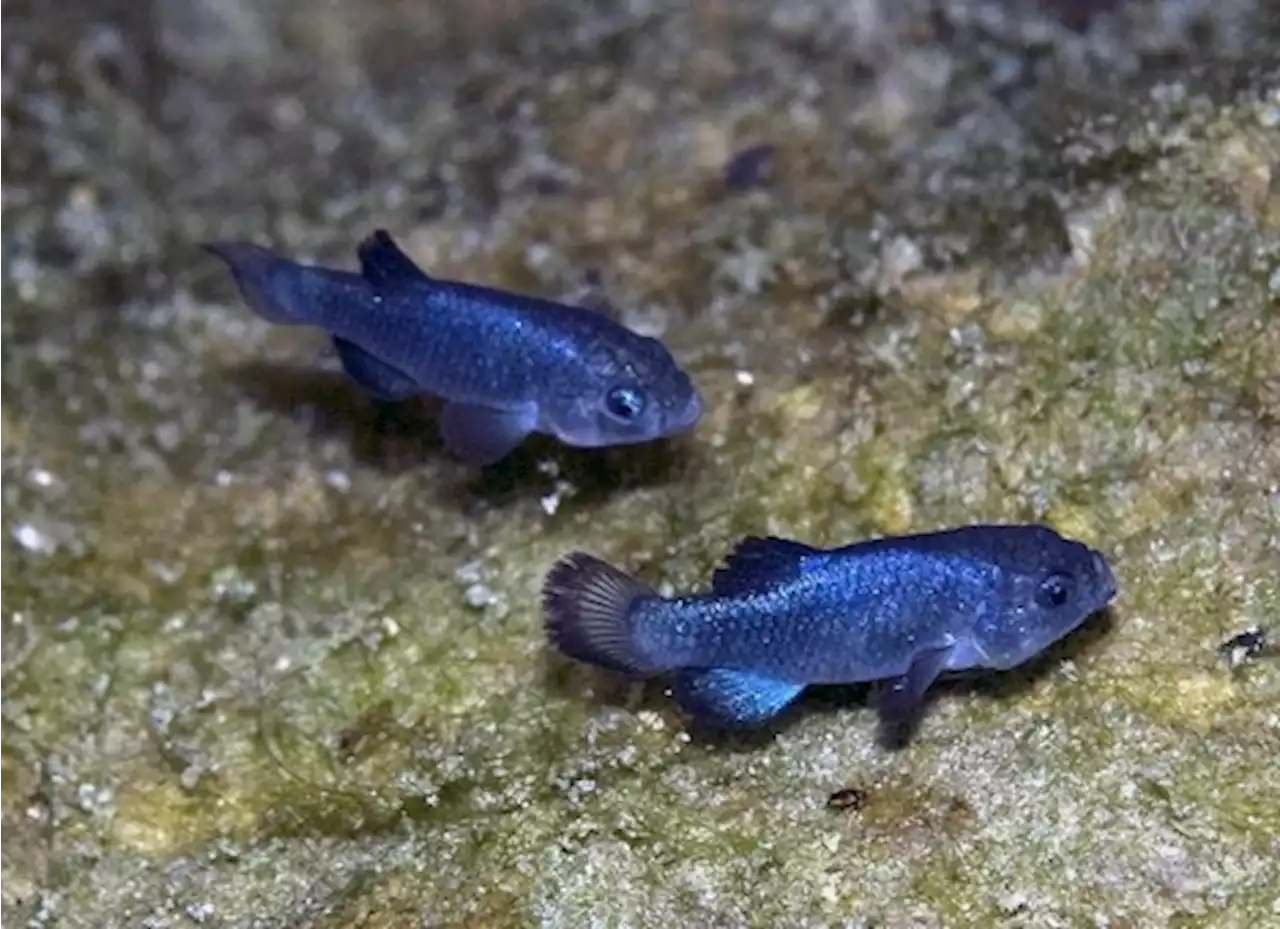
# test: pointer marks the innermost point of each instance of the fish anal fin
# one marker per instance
(732, 697)
(758, 561)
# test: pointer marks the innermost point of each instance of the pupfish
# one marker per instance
(782, 615)
(507, 365)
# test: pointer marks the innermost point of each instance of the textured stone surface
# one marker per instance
(272, 658)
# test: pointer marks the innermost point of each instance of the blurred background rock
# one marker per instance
(272, 658)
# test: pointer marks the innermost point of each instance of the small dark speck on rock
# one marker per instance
(1078, 15)
(751, 167)
(1245, 646)
(547, 185)
(847, 798)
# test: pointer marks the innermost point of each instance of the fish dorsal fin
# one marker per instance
(757, 561)
(382, 261)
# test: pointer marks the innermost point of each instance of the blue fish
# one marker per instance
(782, 615)
(505, 364)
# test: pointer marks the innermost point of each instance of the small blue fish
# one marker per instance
(782, 615)
(506, 365)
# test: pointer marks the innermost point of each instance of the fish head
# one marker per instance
(628, 388)
(1047, 586)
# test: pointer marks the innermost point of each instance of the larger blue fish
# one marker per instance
(782, 615)
(506, 364)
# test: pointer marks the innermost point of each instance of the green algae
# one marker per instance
(271, 658)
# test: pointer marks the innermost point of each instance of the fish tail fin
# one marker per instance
(589, 610)
(268, 283)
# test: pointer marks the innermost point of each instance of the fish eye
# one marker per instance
(625, 403)
(1055, 590)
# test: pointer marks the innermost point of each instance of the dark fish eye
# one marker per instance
(1055, 590)
(625, 403)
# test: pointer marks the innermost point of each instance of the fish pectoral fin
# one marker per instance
(900, 699)
(481, 435)
(732, 697)
(373, 374)
(382, 261)
(758, 561)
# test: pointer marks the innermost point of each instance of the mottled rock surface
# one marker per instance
(272, 658)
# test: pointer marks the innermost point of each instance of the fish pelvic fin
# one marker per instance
(589, 613)
(482, 435)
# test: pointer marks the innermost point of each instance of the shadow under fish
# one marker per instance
(395, 437)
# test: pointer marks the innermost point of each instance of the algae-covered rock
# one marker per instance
(272, 658)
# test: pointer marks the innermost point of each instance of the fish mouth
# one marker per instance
(687, 417)
(1106, 579)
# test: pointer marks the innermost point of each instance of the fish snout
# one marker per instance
(1106, 579)
(686, 415)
